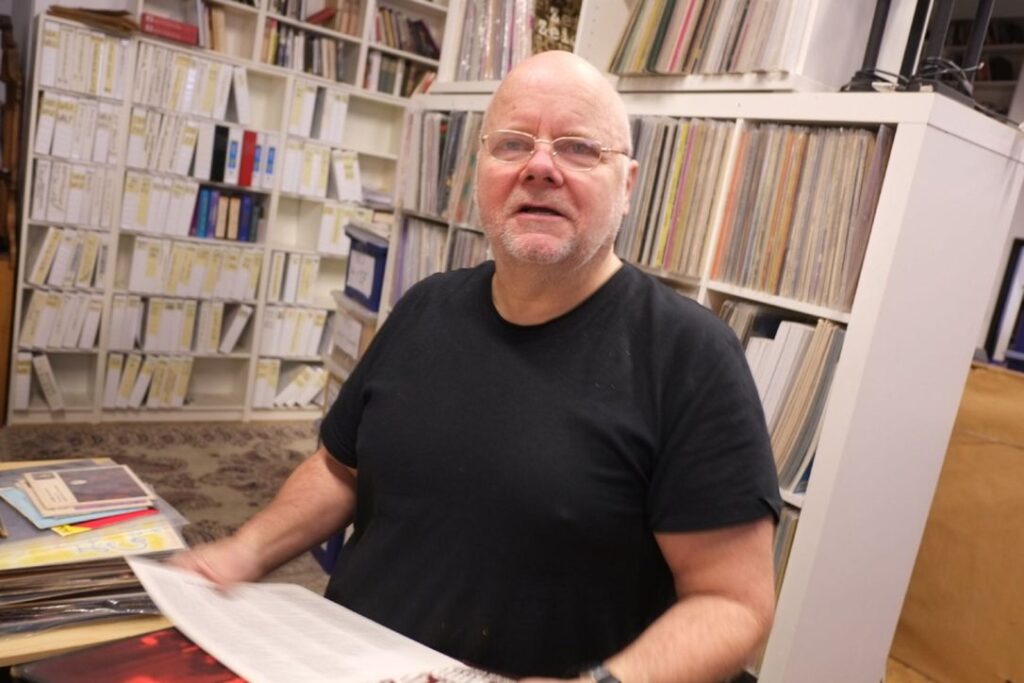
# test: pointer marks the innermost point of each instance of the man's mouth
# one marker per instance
(539, 210)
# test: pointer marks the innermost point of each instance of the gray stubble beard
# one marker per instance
(568, 249)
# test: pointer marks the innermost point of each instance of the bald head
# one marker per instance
(558, 71)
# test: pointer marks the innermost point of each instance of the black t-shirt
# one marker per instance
(510, 477)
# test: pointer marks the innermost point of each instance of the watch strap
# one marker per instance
(601, 674)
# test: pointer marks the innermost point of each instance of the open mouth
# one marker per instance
(537, 210)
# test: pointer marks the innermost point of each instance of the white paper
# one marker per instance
(360, 273)
(267, 632)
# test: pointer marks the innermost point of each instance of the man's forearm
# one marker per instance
(701, 639)
(316, 500)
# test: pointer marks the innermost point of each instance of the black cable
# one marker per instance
(947, 72)
(866, 77)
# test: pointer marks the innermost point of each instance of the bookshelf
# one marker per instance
(134, 257)
(386, 47)
(823, 44)
(909, 332)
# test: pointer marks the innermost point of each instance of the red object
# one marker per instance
(164, 656)
(321, 17)
(114, 519)
(248, 156)
(172, 29)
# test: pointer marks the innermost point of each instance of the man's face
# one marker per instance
(536, 211)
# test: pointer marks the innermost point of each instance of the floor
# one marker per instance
(897, 672)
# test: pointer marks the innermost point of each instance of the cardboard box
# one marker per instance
(353, 329)
(364, 277)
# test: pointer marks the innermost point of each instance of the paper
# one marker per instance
(19, 501)
(88, 489)
(136, 536)
(361, 268)
(267, 632)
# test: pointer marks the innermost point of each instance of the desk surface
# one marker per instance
(15, 649)
(25, 647)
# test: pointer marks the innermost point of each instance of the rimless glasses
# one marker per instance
(570, 153)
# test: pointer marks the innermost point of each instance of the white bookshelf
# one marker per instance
(825, 41)
(249, 27)
(221, 385)
(952, 183)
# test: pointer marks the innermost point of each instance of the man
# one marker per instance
(553, 462)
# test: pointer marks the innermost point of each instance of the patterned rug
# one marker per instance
(215, 474)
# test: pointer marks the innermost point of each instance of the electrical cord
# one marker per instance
(947, 72)
(932, 70)
(877, 79)
(942, 70)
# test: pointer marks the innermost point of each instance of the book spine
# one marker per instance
(321, 17)
(169, 28)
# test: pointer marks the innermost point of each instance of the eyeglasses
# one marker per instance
(571, 153)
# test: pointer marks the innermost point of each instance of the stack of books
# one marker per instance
(71, 524)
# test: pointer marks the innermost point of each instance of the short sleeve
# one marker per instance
(715, 466)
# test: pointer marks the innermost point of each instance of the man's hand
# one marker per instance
(316, 500)
(223, 562)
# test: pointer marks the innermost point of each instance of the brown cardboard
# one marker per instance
(963, 615)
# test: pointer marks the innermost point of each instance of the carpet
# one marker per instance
(216, 474)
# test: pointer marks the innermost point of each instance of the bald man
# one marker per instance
(556, 467)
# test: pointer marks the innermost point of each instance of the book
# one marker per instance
(219, 155)
(246, 216)
(246, 168)
(240, 91)
(322, 17)
(268, 172)
(234, 209)
(235, 324)
(22, 370)
(345, 175)
(233, 156)
(115, 363)
(172, 29)
(86, 489)
(48, 382)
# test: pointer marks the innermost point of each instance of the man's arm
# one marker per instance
(316, 500)
(725, 582)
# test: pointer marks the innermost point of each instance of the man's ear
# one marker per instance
(632, 170)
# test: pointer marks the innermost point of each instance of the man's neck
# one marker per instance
(528, 294)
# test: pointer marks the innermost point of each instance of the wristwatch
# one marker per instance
(601, 674)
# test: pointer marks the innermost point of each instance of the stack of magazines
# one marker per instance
(68, 526)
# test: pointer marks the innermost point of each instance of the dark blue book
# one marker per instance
(202, 213)
(211, 214)
(245, 219)
(257, 156)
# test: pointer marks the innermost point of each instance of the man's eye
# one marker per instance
(581, 148)
(514, 145)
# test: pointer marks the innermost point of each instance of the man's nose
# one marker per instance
(541, 165)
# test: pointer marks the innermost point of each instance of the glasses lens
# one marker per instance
(509, 145)
(579, 153)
